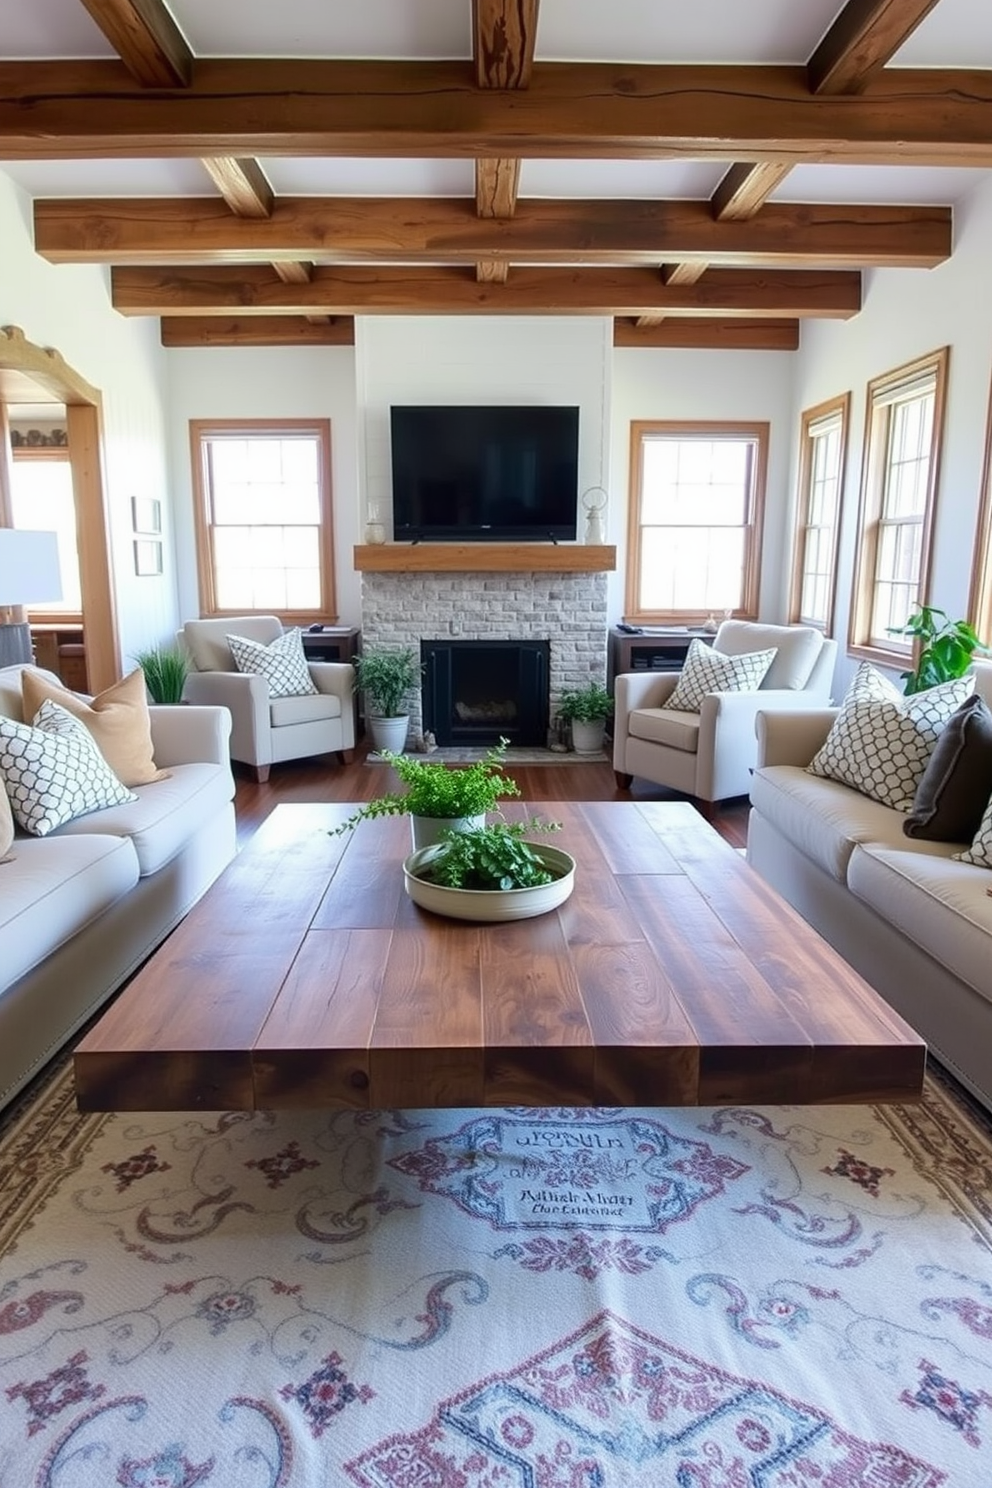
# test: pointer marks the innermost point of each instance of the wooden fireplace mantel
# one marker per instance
(485, 558)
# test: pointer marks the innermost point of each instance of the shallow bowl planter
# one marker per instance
(490, 904)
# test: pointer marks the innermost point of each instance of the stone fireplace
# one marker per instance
(566, 609)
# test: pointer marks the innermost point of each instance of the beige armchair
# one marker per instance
(710, 754)
(267, 730)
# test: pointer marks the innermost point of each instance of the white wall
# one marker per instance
(753, 386)
(907, 313)
(68, 307)
(481, 359)
(268, 382)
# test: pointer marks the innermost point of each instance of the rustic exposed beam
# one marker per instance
(257, 330)
(242, 184)
(503, 33)
(721, 335)
(447, 230)
(745, 189)
(865, 35)
(257, 290)
(491, 271)
(683, 273)
(595, 110)
(496, 183)
(147, 40)
(291, 271)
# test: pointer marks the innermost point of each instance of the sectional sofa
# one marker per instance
(80, 909)
(913, 921)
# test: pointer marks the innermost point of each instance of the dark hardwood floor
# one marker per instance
(323, 779)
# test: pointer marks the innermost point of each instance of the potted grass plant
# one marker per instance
(586, 709)
(166, 669)
(440, 796)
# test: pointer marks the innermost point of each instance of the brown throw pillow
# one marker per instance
(118, 720)
(957, 782)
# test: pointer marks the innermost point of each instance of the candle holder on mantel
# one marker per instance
(375, 531)
(593, 504)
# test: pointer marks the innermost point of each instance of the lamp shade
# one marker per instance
(29, 567)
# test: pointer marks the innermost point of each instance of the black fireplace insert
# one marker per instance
(476, 692)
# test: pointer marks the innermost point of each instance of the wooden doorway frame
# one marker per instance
(38, 374)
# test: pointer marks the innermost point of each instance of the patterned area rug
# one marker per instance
(514, 756)
(729, 1298)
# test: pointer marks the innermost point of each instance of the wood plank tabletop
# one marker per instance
(673, 975)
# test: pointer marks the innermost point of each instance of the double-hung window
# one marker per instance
(980, 607)
(903, 424)
(695, 514)
(823, 443)
(263, 517)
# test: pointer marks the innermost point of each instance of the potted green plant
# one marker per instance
(166, 669)
(944, 648)
(491, 872)
(387, 678)
(439, 795)
(586, 709)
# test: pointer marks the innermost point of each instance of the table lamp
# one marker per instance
(29, 574)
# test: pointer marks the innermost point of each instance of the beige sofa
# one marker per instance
(915, 923)
(81, 908)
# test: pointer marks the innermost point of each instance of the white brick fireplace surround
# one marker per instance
(567, 609)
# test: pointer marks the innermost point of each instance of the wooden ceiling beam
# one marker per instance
(865, 35)
(147, 40)
(257, 290)
(257, 330)
(595, 110)
(242, 184)
(503, 34)
(745, 189)
(496, 186)
(711, 333)
(448, 230)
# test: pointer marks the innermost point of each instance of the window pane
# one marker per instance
(42, 500)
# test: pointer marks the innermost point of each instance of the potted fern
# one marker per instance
(586, 709)
(439, 796)
(387, 679)
(166, 669)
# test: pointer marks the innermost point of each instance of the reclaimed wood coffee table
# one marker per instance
(673, 975)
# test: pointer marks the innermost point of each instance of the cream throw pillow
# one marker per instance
(881, 742)
(117, 719)
(705, 670)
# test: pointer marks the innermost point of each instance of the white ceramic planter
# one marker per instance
(389, 733)
(427, 830)
(491, 904)
(587, 738)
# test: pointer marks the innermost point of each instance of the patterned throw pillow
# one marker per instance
(117, 719)
(282, 664)
(54, 772)
(980, 851)
(6, 827)
(706, 670)
(880, 741)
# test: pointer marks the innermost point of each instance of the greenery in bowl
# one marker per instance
(590, 704)
(436, 789)
(386, 678)
(496, 856)
(944, 648)
(166, 669)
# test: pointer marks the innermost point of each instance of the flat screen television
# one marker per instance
(493, 474)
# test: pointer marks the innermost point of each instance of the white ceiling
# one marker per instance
(957, 33)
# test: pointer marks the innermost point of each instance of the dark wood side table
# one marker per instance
(651, 651)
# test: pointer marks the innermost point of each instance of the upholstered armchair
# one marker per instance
(267, 729)
(710, 754)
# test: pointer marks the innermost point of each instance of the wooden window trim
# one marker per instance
(831, 407)
(880, 395)
(980, 598)
(709, 429)
(320, 429)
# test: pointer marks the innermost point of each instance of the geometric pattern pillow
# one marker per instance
(54, 772)
(980, 851)
(282, 664)
(705, 670)
(880, 741)
(6, 826)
